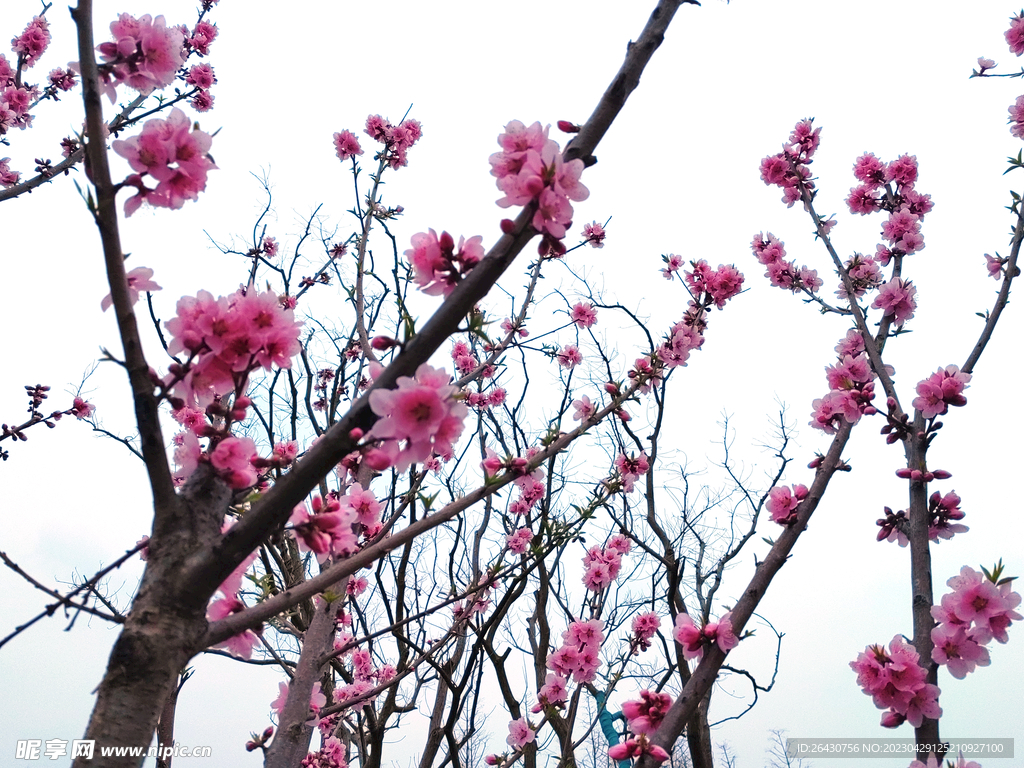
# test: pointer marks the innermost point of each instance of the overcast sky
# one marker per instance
(678, 172)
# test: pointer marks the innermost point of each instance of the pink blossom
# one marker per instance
(242, 644)
(146, 53)
(173, 155)
(984, 64)
(201, 76)
(584, 315)
(233, 458)
(201, 38)
(569, 357)
(902, 170)
(631, 468)
(1016, 111)
(636, 748)
(32, 43)
(328, 531)
(672, 265)
(995, 266)
(421, 411)
(958, 652)
(689, 636)
(8, 178)
(519, 733)
(940, 390)
(139, 279)
(437, 265)
(896, 298)
(783, 502)
(645, 626)
(645, 716)
(346, 145)
(364, 504)
(551, 693)
(594, 234)
(870, 170)
(82, 409)
(1015, 35)
(519, 542)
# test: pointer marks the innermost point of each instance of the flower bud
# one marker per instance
(508, 227)
(383, 343)
(356, 433)
(566, 127)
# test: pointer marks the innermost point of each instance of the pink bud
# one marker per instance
(941, 474)
(377, 459)
(508, 227)
(268, 732)
(891, 403)
(904, 473)
(382, 343)
(612, 388)
(623, 416)
(566, 127)
(242, 402)
(916, 475)
(356, 433)
(893, 719)
(492, 760)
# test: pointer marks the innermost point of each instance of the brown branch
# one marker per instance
(707, 671)
(273, 509)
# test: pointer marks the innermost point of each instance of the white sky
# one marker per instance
(678, 173)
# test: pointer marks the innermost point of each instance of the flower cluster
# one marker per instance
(896, 682)
(788, 169)
(201, 77)
(890, 187)
(519, 542)
(227, 338)
(645, 716)
(397, 139)
(771, 252)
(672, 265)
(603, 564)
(328, 531)
(578, 656)
(437, 265)
(530, 484)
(146, 54)
(943, 511)
(693, 638)
(783, 502)
(202, 35)
(422, 412)
(631, 468)
(851, 387)
(896, 298)
(15, 99)
(530, 167)
(569, 356)
(940, 390)
(594, 234)
(583, 315)
(346, 145)
(32, 43)
(713, 286)
(980, 608)
(519, 733)
(177, 157)
(645, 626)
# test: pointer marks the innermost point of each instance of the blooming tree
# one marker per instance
(317, 461)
